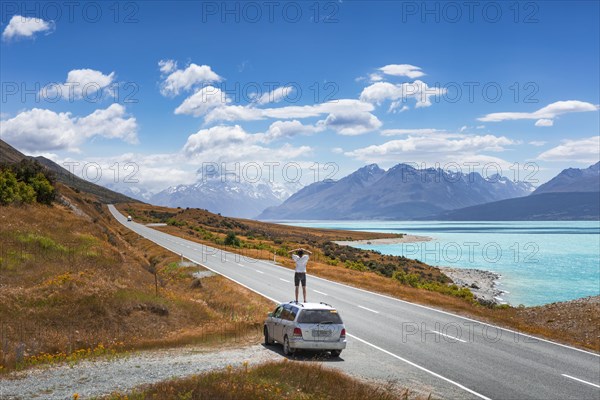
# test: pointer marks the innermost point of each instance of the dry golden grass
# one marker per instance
(272, 380)
(540, 321)
(72, 281)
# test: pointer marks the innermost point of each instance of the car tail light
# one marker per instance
(297, 332)
(343, 334)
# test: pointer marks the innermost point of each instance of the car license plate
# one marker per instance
(321, 333)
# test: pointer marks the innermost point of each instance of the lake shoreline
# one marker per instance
(396, 240)
(482, 283)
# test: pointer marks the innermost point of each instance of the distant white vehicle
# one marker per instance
(129, 218)
(310, 326)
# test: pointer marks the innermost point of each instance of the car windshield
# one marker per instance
(319, 317)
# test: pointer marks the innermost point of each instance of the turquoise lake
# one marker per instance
(539, 262)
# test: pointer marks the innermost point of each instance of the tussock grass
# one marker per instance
(272, 380)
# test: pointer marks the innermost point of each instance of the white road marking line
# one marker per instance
(419, 367)
(450, 337)
(285, 280)
(581, 380)
(324, 294)
(260, 272)
(368, 309)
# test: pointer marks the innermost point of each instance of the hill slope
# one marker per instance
(541, 207)
(573, 180)
(11, 155)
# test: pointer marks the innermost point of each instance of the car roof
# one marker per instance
(311, 306)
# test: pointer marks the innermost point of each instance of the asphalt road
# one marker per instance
(452, 355)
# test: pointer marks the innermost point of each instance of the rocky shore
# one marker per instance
(481, 283)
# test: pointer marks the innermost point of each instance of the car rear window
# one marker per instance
(319, 316)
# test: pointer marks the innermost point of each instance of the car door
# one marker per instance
(283, 322)
(275, 325)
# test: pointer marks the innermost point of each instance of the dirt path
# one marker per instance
(101, 377)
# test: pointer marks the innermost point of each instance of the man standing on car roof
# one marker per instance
(301, 260)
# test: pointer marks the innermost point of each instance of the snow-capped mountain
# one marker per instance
(134, 191)
(228, 195)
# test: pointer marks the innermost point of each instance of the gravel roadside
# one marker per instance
(101, 377)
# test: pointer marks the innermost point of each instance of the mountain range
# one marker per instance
(574, 194)
(227, 195)
(402, 192)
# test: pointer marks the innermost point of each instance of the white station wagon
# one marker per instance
(310, 326)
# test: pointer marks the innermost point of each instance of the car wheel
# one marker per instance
(336, 353)
(268, 340)
(287, 350)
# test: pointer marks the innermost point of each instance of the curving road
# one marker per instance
(445, 354)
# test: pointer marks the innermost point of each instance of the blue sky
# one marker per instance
(172, 85)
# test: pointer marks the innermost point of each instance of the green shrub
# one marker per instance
(232, 240)
(355, 265)
(174, 222)
(44, 191)
(416, 281)
(25, 183)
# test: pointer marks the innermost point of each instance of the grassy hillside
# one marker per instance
(75, 283)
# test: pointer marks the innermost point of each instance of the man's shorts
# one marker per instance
(300, 277)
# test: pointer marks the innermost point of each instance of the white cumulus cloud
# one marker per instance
(185, 79)
(204, 100)
(233, 143)
(39, 130)
(167, 66)
(80, 83)
(286, 129)
(351, 123)
(276, 95)
(586, 150)
(433, 148)
(407, 70)
(380, 92)
(26, 27)
(544, 115)
(250, 113)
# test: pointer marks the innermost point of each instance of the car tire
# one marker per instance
(287, 350)
(336, 353)
(268, 340)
